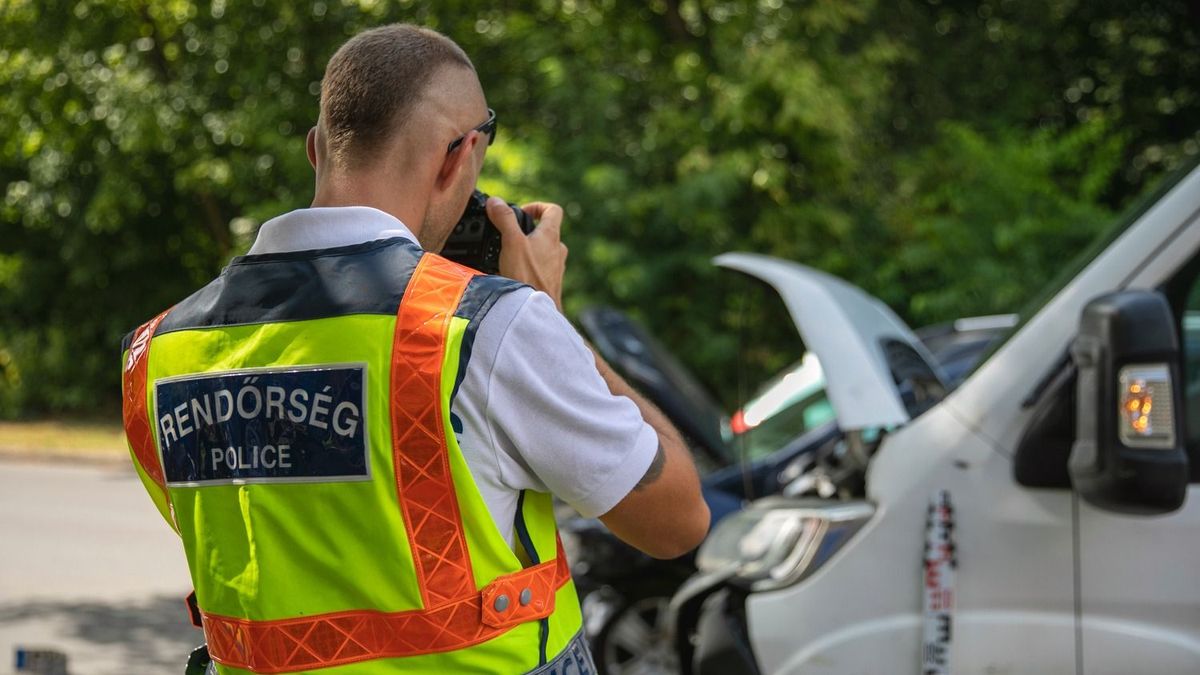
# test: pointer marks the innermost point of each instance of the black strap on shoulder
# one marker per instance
(531, 551)
(193, 608)
(481, 295)
(365, 278)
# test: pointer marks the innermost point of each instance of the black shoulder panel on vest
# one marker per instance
(481, 293)
(365, 278)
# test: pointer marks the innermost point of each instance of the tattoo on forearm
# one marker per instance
(655, 471)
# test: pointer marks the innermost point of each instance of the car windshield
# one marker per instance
(784, 407)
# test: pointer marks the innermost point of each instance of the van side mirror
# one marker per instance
(1129, 452)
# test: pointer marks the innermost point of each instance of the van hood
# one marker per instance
(877, 373)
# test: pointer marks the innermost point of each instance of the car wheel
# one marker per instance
(634, 641)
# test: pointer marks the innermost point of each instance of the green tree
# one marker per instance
(942, 154)
(980, 224)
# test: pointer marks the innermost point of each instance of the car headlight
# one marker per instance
(778, 541)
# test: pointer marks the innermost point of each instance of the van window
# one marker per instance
(1190, 338)
(1183, 292)
(1042, 454)
(919, 386)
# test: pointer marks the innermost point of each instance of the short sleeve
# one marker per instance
(549, 410)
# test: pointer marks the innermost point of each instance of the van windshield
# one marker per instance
(1131, 214)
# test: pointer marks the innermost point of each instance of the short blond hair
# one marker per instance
(373, 82)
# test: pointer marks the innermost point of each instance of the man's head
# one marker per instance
(393, 98)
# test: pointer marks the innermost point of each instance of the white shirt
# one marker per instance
(536, 414)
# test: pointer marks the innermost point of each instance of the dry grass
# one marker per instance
(63, 439)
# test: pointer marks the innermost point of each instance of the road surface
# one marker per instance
(89, 568)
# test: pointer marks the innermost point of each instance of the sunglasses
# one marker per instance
(488, 127)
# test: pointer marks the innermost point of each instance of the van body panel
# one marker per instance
(1140, 579)
(988, 637)
(1014, 565)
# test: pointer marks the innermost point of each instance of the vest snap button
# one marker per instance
(526, 597)
(501, 603)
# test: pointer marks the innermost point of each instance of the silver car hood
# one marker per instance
(848, 330)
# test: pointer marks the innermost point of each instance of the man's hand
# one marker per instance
(539, 258)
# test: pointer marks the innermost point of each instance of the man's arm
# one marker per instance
(664, 514)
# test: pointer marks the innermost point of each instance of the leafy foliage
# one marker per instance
(980, 225)
(945, 155)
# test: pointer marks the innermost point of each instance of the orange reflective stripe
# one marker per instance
(423, 479)
(339, 638)
(527, 595)
(135, 416)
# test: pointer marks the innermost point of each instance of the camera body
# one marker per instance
(475, 241)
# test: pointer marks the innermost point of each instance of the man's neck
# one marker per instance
(392, 200)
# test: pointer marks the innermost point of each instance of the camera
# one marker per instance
(475, 241)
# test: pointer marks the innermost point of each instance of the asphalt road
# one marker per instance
(89, 568)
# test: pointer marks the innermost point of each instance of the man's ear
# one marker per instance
(311, 146)
(456, 161)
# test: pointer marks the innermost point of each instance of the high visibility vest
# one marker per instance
(292, 422)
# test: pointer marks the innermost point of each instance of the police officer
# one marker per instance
(357, 440)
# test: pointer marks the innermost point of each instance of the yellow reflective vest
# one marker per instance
(291, 421)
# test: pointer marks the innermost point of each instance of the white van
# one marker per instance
(1041, 518)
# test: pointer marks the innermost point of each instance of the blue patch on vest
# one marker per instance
(295, 424)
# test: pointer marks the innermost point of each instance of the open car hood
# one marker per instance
(877, 373)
